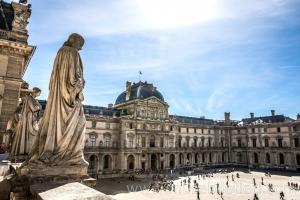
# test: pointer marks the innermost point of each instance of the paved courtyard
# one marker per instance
(239, 189)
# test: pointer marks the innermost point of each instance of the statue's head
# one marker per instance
(75, 40)
(36, 91)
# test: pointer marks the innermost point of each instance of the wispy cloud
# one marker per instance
(206, 57)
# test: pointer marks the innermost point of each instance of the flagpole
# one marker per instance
(140, 73)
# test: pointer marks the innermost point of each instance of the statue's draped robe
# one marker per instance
(26, 127)
(60, 139)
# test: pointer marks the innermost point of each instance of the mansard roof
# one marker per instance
(92, 110)
(193, 120)
(267, 119)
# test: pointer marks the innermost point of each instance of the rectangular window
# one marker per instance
(296, 142)
(254, 142)
(130, 142)
(279, 141)
(107, 125)
(266, 142)
(93, 140)
(171, 142)
(161, 142)
(143, 142)
(239, 143)
(278, 129)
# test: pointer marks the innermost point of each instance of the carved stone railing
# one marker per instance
(5, 34)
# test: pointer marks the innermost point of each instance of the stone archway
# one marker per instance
(93, 162)
(107, 162)
(130, 162)
(153, 162)
(172, 161)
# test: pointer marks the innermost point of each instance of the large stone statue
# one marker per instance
(24, 131)
(60, 140)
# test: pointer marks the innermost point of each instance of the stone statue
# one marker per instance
(60, 140)
(14, 120)
(24, 125)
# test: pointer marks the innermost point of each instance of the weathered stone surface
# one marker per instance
(69, 191)
(41, 171)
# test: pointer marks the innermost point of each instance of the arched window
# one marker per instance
(209, 142)
(187, 141)
(195, 141)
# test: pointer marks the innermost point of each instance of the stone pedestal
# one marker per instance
(34, 182)
(44, 170)
(69, 191)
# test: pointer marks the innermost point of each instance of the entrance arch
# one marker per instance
(130, 162)
(107, 162)
(172, 161)
(153, 162)
(93, 161)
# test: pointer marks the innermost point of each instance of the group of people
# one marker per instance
(162, 185)
(293, 186)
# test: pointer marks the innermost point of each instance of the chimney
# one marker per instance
(110, 105)
(227, 117)
(298, 116)
(273, 112)
(252, 115)
(128, 90)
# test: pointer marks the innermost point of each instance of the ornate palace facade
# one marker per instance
(138, 133)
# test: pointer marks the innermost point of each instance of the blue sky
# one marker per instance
(205, 57)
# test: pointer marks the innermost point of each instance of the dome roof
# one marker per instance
(139, 90)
